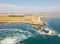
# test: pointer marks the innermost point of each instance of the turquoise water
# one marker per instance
(21, 33)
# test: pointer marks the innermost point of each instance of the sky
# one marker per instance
(26, 6)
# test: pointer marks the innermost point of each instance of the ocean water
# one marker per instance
(21, 33)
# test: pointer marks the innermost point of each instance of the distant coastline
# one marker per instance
(34, 14)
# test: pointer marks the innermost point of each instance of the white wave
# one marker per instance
(51, 32)
(8, 41)
(13, 40)
(58, 35)
(16, 38)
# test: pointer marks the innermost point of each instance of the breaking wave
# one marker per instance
(12, 36)
(51, 32)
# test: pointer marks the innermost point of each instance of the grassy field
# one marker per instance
(23, 17)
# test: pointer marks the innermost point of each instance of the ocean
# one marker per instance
(21, 33)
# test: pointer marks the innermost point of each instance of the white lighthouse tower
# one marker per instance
(38, 19)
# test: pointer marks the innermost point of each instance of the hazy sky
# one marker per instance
(17, 6)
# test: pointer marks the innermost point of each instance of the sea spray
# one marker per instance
(51, 32)
(8, 40)
(58, 35)
(17, 36)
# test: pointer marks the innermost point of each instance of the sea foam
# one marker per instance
(16, 38)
